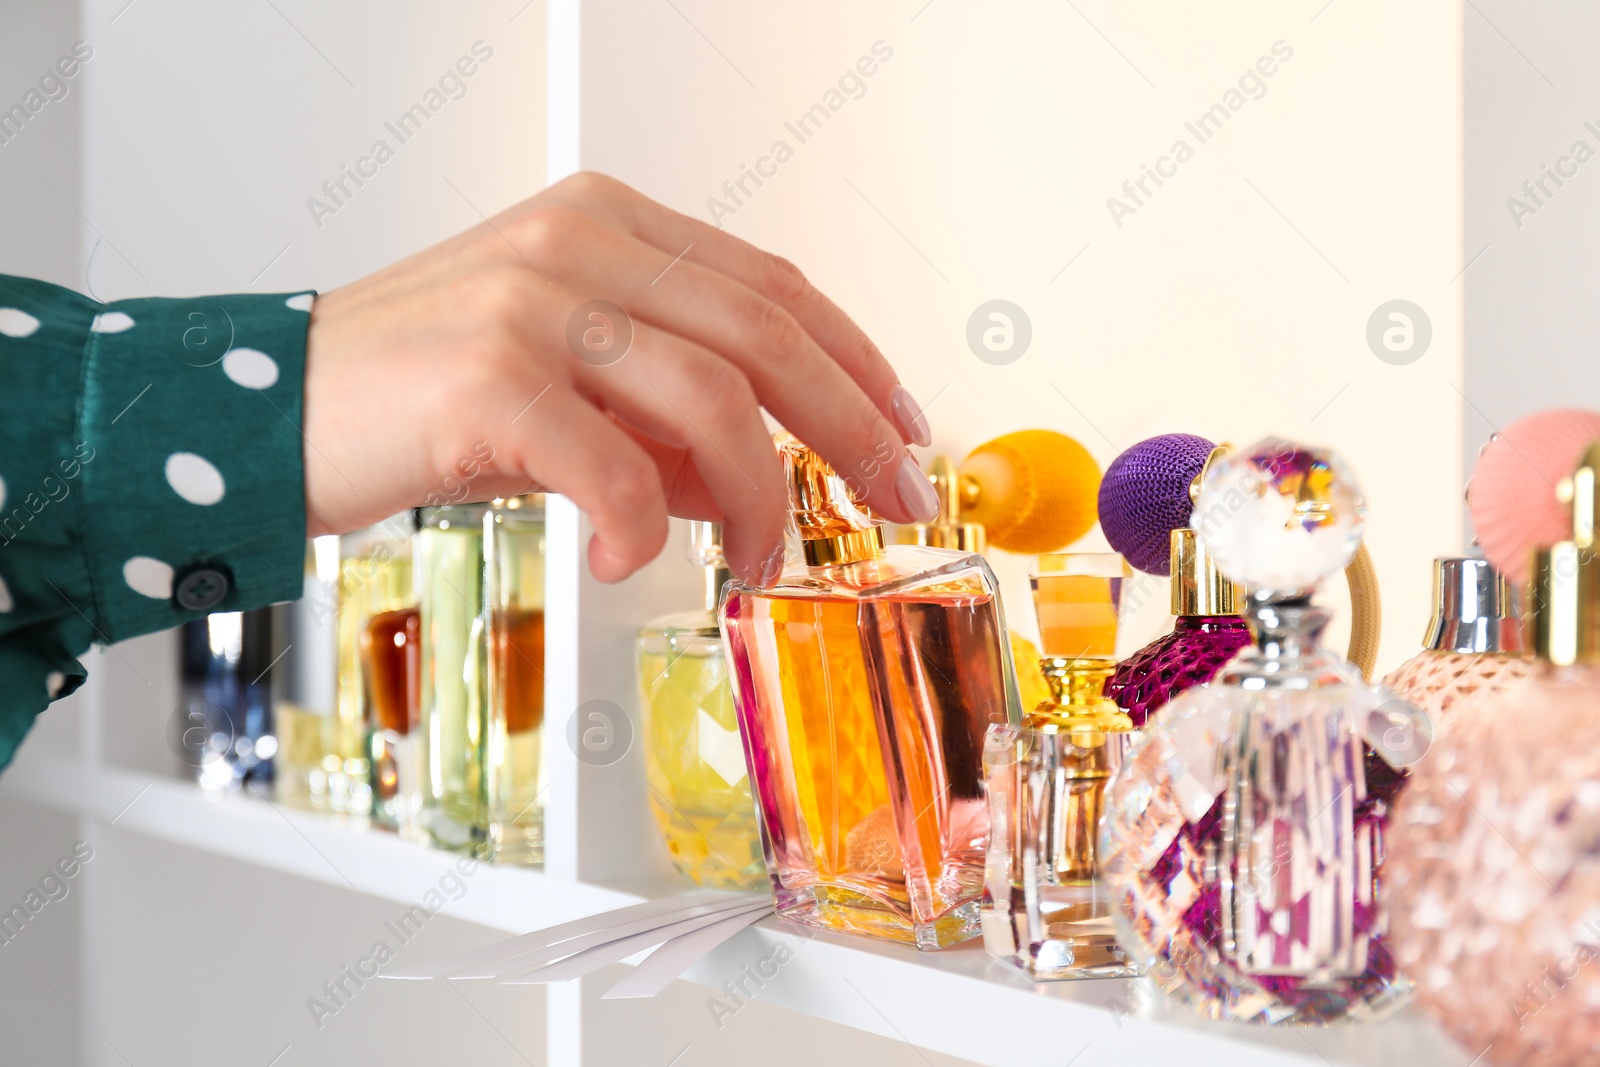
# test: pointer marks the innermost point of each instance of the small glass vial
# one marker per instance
(1474, 641)
(452, 726)
(699, 791)
(513, 538)
(1207, 635)
(1045, 910)
(391, 658)
(864, 678)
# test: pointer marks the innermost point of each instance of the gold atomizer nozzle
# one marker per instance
(1564, 613)
(948, 530)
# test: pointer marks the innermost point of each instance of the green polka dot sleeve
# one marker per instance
(150, 472)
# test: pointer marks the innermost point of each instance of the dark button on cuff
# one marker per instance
(201, 588)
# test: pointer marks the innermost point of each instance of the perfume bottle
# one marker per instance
(452, 724)
(1474, 641)
(1241, 847)
(1206, 637)
(513, 575)
(374, 577)
(1045, 910)
(230, 680)
(864, 679)
(699, 788)
(314, 743)
(391, 664)
(1495, 872)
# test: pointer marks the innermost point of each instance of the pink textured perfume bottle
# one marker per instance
(1495, 880)
(864, 679)
(1208, 634)
(1474, 641)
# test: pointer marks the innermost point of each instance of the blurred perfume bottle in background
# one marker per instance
(452, 724)
(1045, 910)
(391, 664)
(513, 577)
(699, 790)
(313, 742)
(864, 678)
(224, 729)
(1474, 641)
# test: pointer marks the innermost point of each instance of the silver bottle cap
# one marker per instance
(1473, 609)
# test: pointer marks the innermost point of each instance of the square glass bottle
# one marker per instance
(864, 678)
(513, 537)
(1045, 910)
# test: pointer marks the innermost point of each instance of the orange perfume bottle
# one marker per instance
(864, 679)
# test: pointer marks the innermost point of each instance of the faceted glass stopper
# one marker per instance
(1280, 517)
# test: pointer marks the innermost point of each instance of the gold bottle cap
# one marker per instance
(834, 529)
(1198, 588)
(1564, 613)
(705, 551)
(948, 530)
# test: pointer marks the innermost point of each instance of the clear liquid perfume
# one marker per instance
(1206, 636)
(452, 725)
(1496, 872)
(699, 787)
(513, 575)
(1045, 910)
(1474, 641)
(864, 679)
(1243, 841)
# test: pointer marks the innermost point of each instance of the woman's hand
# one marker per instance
(481, 368)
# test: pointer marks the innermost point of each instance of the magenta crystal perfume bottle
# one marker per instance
(1207, 635)
(864, 678)
(1240, 846)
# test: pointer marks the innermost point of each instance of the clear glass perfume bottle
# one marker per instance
(1495, 872)
(391, 663)
(513, 535)
(230, 680)
(313, 741)
(1241, 849)
(452, 727)
(1207, 634)
(864, 679)
(1045, 910)
(1474, 641)
(374, 577)
(699, 790)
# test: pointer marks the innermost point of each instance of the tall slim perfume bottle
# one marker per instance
(230, 681)
(1242, 850)
(1474, 641)
(313, 741)
(699, 788)
(864, 679)
(1495, 872)
(513, 536)
(1207, 635)
(1045, 910)
(452, 727)
(391, 664)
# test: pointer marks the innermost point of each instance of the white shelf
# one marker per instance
(958, 1002)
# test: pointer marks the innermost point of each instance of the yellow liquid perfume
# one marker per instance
(1046, 911)
(694, 761)
(864, 679)
(513, 537)
(317, 749)
(452, 728)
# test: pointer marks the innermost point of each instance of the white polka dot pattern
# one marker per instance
(251, 369)
(52, 683)
(111, 322)
(194, 478)
(301, 301)
(17, 323)
(5, 598)
(149, 577)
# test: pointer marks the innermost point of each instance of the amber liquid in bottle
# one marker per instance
(391, 661)
(516, 663)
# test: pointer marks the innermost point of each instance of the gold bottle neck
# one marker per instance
(856, 546)
(1198, 588)
(949, 530)
(834, 528)
(1564, 615)
(1077, 697)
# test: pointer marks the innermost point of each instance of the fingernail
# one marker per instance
(916, 491)
(908, 417)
